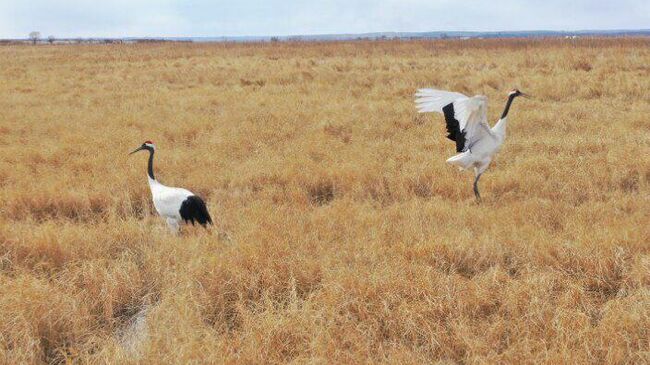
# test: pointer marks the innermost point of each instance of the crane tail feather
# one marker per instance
(193, 209)
(463, 160)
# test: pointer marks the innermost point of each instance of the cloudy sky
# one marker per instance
(117, 18)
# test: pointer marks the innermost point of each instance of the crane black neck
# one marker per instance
(150, 166)
(511, 97)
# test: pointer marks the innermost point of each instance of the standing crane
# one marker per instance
(467, 125)
(174, 204)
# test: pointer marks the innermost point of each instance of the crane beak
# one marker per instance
(136, 150)
(525, 95)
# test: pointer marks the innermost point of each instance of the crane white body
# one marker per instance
(483, 150)
(167, 200)
(467, 125)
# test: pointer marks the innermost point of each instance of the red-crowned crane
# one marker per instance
(174, 204)
(467, 125)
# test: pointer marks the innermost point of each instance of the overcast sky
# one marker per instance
(118, 18)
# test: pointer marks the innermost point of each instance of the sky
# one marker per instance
(196, 18)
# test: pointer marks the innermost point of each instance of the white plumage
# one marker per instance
(167, 200)
(467, 125)
(431, 100)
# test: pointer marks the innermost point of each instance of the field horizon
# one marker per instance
(341, 235)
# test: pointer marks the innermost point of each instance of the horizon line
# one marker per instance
(616, 30)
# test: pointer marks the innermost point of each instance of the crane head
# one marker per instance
(147, 145)
(515, 92)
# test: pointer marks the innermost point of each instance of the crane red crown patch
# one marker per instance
(148, 142)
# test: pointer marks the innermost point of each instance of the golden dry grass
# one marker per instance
(349, 238)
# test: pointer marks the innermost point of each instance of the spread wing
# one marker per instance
(430, 100)
(466, 117)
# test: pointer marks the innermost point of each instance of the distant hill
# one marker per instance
(420, 35)
(360, 36)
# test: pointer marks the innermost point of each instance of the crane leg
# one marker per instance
(173, 225)
(476, 193)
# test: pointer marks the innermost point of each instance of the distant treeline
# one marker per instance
(35, 37)
(87, 41)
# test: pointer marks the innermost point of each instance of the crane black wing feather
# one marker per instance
(453, 127)
(193, 209)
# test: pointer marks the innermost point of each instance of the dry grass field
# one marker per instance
(341, 236)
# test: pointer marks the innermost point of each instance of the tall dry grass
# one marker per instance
(341, 235)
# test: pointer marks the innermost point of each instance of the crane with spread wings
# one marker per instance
(467, 125)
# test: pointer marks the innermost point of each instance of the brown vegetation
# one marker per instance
(341, 235)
